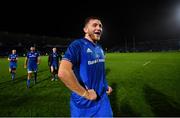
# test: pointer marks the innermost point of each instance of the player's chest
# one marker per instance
(13, 56)
(32, 55)
(55, 55)
(92, 53)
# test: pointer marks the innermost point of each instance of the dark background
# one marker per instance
(127, 23)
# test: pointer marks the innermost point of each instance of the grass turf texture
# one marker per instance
(144, 84)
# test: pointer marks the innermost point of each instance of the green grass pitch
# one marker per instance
(144, 84)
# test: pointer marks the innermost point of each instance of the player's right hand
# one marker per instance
(91, 94)
(25, 66)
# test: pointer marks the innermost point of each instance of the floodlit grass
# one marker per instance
(46, 98)
(144, 84)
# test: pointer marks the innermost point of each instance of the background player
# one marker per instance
(13, 63)
(32, 61)
(53, 62)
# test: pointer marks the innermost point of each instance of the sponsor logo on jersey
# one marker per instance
(89, 50)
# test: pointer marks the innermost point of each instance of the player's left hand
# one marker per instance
(109, 90)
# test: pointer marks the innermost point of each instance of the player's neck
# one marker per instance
(88, 38)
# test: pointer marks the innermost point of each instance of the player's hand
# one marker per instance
(109, 90)
(25, 66)
(91, 94)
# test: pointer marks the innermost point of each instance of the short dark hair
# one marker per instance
(90, 18)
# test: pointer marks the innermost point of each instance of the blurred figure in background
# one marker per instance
(54, 60)
(13, 57)
(32, 61)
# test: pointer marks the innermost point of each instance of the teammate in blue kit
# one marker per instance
(82, 70)
(32, 61)
(53, 62)
(13, 63)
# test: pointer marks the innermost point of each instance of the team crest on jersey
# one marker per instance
(89, 50)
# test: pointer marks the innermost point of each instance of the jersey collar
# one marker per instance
(94, 44)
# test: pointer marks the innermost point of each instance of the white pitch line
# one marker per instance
(146, 63)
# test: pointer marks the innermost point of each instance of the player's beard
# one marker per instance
(94, 37)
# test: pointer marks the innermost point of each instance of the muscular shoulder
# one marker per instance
(76, 43)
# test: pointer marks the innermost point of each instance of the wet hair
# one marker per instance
(90, 18)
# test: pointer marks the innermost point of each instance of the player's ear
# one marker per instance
(85, 29)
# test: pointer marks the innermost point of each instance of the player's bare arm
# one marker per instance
(68, 77)
(38, 62)
(25, 62)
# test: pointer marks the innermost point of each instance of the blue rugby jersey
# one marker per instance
(12, 58)
(88, 63)
(32, 58)
(55, 57)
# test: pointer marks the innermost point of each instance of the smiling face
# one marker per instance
(93, 30)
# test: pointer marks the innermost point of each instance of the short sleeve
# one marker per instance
(27, 55)
(72, 53)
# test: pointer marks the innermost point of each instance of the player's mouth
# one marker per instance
(97, 32)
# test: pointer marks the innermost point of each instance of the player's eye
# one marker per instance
(100, 25)
(95, 24)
